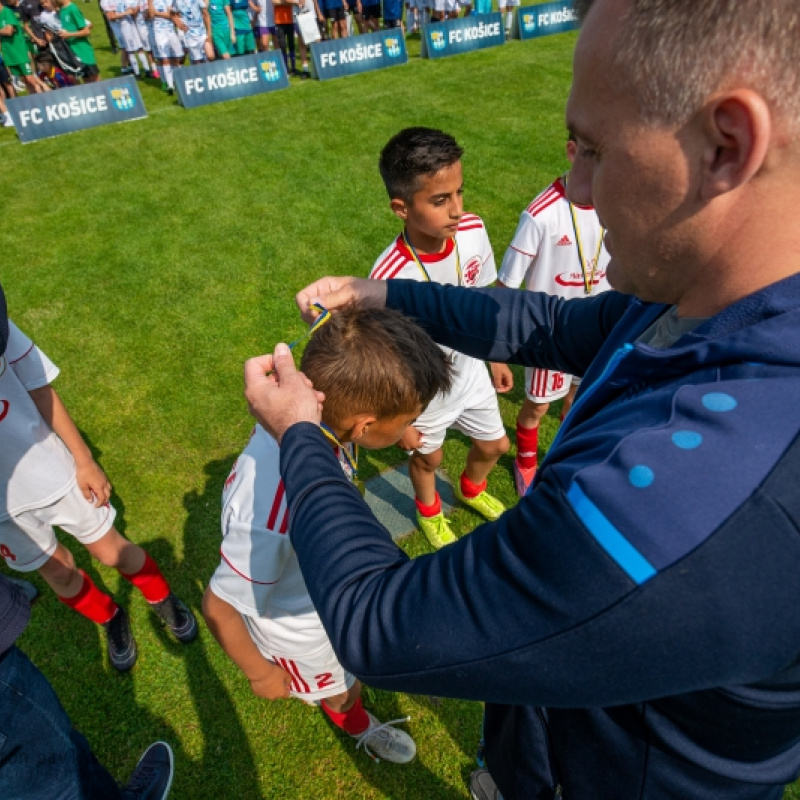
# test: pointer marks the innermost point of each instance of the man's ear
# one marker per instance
(399, 208)
(738, 128)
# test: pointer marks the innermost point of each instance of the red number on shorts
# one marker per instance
(558, 382)
(324, 680)
(6, 553)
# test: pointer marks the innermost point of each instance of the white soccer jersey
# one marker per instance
(259, 574)
(467, 260)
(544, 250)
(36, 469)
(162, 25)
(191, 12)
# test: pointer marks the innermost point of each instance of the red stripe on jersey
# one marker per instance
(543, 206)
(242, 575)
(529, 255)
(389, 267)
(276, 505)
(470, 226)
(285, 521)
(23, 355)
(388, 257)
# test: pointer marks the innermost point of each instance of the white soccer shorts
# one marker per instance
(474, 412)
(195, 44)
(144, 32)
(27, 540)
(305, 653)
(166, 44)
(445, 6)
(129, 36)
(546, 385)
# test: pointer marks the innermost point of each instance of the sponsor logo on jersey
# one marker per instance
(471, 270)
(392, 47)
(269, 70)
(122, 98)
(564, 241)
(576, 279)
(437, 40)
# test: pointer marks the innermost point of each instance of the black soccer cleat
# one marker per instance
(121, 644)
(177, 617)
(152, 778)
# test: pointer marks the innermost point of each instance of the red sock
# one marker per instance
(432, 510)
(527, 446)
(470, 489)
(91, 602)
(354, 721)
(149, 581)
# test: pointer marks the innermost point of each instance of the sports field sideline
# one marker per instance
(149, 260)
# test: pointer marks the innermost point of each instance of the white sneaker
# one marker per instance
(7, 121)
(384, 743)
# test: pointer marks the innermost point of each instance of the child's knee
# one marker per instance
(493, 448)
(428, 461)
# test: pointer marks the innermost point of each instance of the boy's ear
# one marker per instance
(359, 425)
(399, 208)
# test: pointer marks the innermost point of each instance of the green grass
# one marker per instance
(149, 260)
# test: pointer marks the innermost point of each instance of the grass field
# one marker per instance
(149, 260)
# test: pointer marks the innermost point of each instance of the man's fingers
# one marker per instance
(282, 359)
(257, 368)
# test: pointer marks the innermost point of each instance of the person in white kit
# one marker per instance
(191, 17)
(167, 47)
(507, 7)
(421, 168)
(122, 15)
(557, 249)
(377, 371)
(50, 479)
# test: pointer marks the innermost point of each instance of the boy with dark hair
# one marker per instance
(377, 371)
(421, 169)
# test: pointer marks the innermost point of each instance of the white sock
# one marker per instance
(134, 63)
(509, 19)
(166, 75)
(145, 62)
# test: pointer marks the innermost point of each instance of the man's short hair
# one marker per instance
(374, 361)
(411, 155)
(675, 53)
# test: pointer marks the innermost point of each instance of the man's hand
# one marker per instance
(333, 293)
(278, 395)
(93, 483)
(502, 378)
(273, 684)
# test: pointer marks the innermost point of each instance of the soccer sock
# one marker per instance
(470, 489)
(134, 63)
(91, 602)
(527, 446)
(355, 721)
(293, 58)
(431, 510)
(145, 62)
(509, 19)
(149, 581)
(166, 73)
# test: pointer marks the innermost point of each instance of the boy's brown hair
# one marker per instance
(374, 361)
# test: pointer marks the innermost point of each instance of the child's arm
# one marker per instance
(229, 14)
(92, 481)
(267, 680)
(254, 7)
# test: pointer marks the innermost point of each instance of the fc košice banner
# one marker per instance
(531, 22)
(75, 108)
(339, 57)
(230, 79)
(462, 35)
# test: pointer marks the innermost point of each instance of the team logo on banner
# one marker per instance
(122, 98)
(528, 22)
(393, 49)
(437, 40)
(270, 71)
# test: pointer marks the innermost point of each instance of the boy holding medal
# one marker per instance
(557, 249)
(377, 370)
(421, 169)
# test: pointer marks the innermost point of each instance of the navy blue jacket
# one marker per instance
(634, 622)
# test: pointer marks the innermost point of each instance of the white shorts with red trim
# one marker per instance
(27, 540)
(546, 385)
(305, 652)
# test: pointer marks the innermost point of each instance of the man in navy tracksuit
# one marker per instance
(633, 623)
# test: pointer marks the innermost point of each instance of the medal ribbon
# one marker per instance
(352, 458)
(588, 280)
(418, 261)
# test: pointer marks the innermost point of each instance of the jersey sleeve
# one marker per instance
(488, 274)
(522, 252)
(31, 366)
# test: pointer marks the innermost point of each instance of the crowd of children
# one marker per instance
(46, 45)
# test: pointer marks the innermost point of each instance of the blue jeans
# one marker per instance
(42, 757)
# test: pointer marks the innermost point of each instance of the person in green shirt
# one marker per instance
(14, 48)
(76, 32)
(222, 35)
